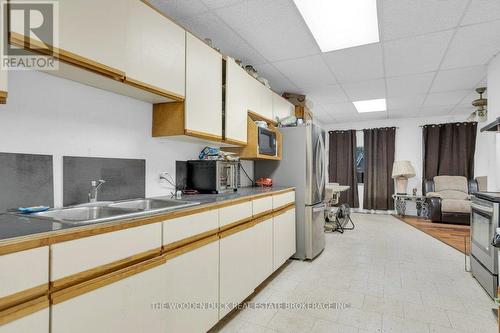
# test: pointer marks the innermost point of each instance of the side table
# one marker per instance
(420, 203)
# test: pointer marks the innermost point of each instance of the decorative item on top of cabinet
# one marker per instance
(127, 41)
(251, 150)
(303, 112)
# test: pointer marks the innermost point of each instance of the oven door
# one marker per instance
(484, 221)
(267, 142)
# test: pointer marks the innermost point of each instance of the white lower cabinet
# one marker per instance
(284, 237)
(125, 306)
(37, 322)
(237, 275)
(263, 250)
(192, 280)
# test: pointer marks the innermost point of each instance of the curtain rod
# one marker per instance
(361, 130)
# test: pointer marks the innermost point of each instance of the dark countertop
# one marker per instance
(13, 226)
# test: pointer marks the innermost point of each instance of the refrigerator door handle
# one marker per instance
(319, 208)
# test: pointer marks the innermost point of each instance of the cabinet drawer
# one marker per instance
(189, 228)
(23, 275)
(235, 214)
(80, 255)
(262, 206)
(281, 200)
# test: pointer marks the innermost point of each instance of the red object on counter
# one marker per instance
(264, 182)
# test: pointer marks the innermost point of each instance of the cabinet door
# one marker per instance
(237, 275)
(193, 278)
(155, 50)
(37, 322)
(3, 85)
(281, 107)
(203, 103)
(127, 305)
(237, 105)
(92, 29)
(263, 250)
(266, 101)
(284, 237)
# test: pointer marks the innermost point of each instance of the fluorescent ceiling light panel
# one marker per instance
(339, 24)
(371, 105)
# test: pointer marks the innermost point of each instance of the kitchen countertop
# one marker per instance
(24, 228)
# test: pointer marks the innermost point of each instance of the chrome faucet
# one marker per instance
(94, 190)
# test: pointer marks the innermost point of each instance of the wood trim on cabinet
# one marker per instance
(190, 247)
(103, 269)
(235, 224)
(256, 116)
(23, 310)
(203, 135)
(152, 89)
(168, 119)
(172, 246)
(283, 209)
(65, 56)
(260, 215)
(235, 142)
(104, 280)
(263, 218)
(52, 237)
(3, 97)
(23, 296)
(236, 229)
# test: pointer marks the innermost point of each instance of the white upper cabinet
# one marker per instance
(203, 103)
(281, 107)
(155, 49)
(266, 101)
(237, 102)
(94, 29)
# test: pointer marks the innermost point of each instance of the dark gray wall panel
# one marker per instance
(26, 180)
(125, 178)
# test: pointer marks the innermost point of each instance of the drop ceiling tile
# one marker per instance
(416, 54)
(274, 28)
(405, 85)
(356, 63)
(405, 102)
(279, 83)
(373, 115)
(458, 79)
(177, 9)
(327, 94)
(436, 111)
(450, 98)
(364, 90)
(404, 113)
(214, 4)
(209, 25)
(482, 11)
(340, 109)
(403, 18)
(463, 109)
(306, 72)
(346, 119)
(473, 45)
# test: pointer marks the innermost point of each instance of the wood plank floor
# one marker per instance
(450, 234)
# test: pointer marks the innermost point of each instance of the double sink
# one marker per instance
(106, 211)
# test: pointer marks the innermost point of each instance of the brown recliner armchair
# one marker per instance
(448, 198)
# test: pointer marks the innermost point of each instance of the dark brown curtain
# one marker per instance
(342, 164)
(379, 156)
(448, 150)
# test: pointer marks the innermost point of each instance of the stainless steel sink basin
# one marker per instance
(84, 215)
(151, 205)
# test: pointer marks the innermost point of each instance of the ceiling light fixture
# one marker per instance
(371, 105)
(337, 24)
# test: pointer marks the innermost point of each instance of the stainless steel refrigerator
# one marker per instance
(303, 166)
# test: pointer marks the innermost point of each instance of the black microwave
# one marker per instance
(267, 142)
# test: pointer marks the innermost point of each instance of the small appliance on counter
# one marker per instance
(484, 254)
(212, 176)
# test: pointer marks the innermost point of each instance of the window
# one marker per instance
(360, 164)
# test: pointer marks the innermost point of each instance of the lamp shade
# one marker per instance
(402, 169)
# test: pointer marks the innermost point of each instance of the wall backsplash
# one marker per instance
(125, 178)
(25, 180)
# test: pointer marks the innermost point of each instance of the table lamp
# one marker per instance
(401, 171)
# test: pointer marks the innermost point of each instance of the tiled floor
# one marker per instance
(395, 278)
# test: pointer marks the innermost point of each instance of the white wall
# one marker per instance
(50, 115)
(408, 140)
(488, 147)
